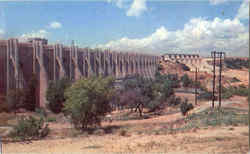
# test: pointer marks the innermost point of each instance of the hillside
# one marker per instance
(232, 77)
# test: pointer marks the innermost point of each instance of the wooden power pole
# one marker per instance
(196, 84)
(214, 56)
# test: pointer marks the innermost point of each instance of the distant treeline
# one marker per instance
(236, 63)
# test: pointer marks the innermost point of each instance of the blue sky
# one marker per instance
(134, 25)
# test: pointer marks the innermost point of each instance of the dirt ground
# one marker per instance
(63, 139)
(213, 140)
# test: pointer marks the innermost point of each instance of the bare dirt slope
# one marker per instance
(205, 73)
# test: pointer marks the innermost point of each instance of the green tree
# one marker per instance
(168, 89)
(88, 100)
(186, 80)
(55, 94)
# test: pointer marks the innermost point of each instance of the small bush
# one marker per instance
(226, 95)
(230, 91)
(30, 128)
(186, 81)
(173, 78)
(234, 79)
(185, 107)
(41, 112)
(167, 89)
(51, 119)
(174, 101)
(205, 96)
(123, 132)
(241, 91)
(154, 105)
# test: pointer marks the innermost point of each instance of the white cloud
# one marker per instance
(137, 8)
(34, 34)
(215, 2)
(55, 25)
(2, 32)
(243, 12)
(197, 35)
(119, 3)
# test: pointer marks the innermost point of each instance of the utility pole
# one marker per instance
(196, 71)
(220, 80)
(213, 54)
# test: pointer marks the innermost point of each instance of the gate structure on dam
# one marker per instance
(19, 60)
(184, 58)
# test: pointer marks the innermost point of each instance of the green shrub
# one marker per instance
(186, 81)
(234, 79)
(205, 96)
(87, 101)
(29, 128)
(241, 91)
(173, 78)
(226, 95)
(154, 105)
(167, 89)
(174, 101)
(51, 119)
(55, 94)
(185, 107)
(41, 112)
